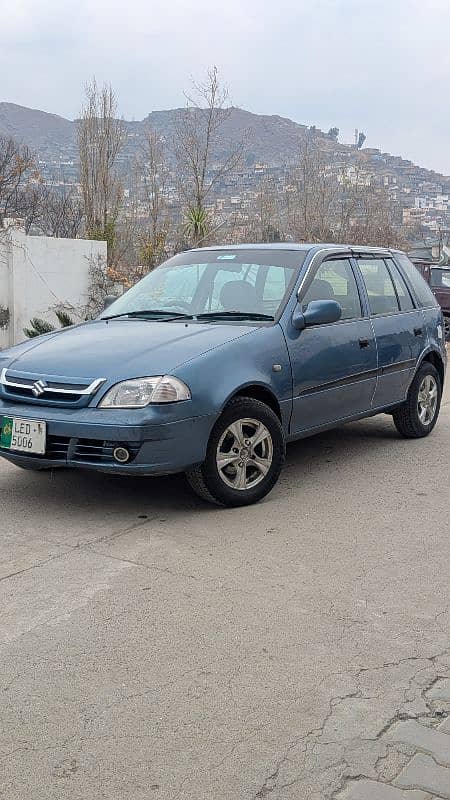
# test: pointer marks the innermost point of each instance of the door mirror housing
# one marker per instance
(317, 312)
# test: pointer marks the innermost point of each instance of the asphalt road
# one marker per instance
(155, 647)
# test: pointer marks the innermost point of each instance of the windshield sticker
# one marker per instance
(226, 257)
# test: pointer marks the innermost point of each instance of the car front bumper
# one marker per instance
(85, 439)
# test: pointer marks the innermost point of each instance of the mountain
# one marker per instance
(37, 129)
(272, 140)
(269, 138)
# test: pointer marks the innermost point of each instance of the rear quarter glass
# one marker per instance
(419, 286)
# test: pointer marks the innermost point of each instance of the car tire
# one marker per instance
(418, 415)
(236, 472)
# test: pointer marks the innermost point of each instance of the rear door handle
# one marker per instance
(364, 343)
(418, 331)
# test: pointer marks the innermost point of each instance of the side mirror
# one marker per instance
(317, 312)
(108, 301)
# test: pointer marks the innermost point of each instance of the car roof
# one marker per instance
(303, 246)
(261, 246)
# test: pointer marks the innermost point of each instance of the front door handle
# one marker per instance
(418, 331)
(364, 343)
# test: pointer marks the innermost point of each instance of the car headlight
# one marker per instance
(140, 392)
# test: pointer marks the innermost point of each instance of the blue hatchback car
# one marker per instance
(219, 357)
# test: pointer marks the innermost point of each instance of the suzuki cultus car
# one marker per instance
(221, 356)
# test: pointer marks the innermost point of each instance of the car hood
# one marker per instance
(119, 349)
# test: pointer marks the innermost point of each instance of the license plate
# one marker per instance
(23, 435)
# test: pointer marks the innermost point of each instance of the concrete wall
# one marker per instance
(5, 292)
(39, 274)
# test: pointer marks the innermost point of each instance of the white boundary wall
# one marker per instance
(39, 274)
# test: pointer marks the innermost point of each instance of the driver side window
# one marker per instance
(334, 280)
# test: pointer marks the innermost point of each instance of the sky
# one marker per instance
(382, 67)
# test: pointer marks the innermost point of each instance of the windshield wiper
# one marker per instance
(235, 315)
(168, 316)
(156, 311)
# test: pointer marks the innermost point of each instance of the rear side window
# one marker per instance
(404, 297)
(379, 285)
(424, 295)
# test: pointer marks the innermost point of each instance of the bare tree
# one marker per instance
(374, 220)
(265, 223)
(198, 138)
(323, 203)
(365, 213)
(101, 283)
(313, 190)
(351, 181)
(101, 137)
(17, 170)
(55, 210)
(154, 172)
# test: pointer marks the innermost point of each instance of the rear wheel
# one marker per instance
(244, 457)
(418, 415)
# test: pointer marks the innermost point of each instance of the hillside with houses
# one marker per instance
(272, 148)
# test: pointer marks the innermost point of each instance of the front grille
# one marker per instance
(96, 451)
(57, 449)
(27, 383)
(87, 451)
(51, 390)
(25, 394)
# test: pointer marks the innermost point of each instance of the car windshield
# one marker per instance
(214, 286)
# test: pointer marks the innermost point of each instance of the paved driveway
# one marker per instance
(154, 647)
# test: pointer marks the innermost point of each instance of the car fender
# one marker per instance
(259, 359)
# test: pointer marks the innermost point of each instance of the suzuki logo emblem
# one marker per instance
(38, 388)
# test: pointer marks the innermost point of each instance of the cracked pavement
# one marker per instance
(152, 646)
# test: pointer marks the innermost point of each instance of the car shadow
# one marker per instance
(99, 492)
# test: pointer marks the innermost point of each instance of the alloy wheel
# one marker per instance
(244, 454)
(427, 400)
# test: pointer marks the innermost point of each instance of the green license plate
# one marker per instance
(23, 435)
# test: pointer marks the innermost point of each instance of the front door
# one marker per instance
(334, 366)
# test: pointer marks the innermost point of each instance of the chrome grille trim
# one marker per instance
(53, 389)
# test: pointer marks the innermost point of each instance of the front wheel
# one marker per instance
(244, 457)
(418, 415)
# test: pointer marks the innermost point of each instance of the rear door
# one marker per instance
(399, 328)
(334, 366)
